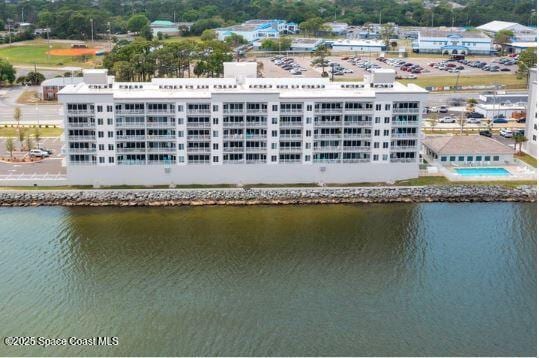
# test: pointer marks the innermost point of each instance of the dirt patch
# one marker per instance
(31, 97)
(73, 51)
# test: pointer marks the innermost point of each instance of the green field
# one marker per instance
(35, 52)
(509, 80)
(44, 132)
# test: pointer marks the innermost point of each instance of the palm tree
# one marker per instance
(10, 146)
(37, 136)
(17, 117)
(519, 139)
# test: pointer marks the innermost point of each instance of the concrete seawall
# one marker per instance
(267, 196)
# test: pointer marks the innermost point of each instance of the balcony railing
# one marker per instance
(82, 162)
(198, 161)
(328, 110)
(291, 136)
(162, 150)
(362, 148)
(129, 111)
(328, 161)
(357, 123)
(354, 160)
(233, 137)
(198, 149)
(255, 161)
(130, 124)
(233, 110)
(404, 147)
(257, 110)
(81, 124)
(130, 150)
(198, 110)
(256, 149)
(404, 123)
(233, 161)
(357, 135)
(251, 124)
(328, 149)
(160, 136)
(328, 135)
(403, 160)
(233, 149)
(291, 124)
(161, 111)
(405, 110)
(404, 135)
(131, 137)
(82, 150)
(291, 110)
(328, 123)
(199, 124)
(131, 162)
(234, 124)
(80, 137)
(290, 149)
(160, 124)
(198, 137)
(80, 111)
(256, 136)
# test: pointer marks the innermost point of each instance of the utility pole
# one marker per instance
(380, 18)
(92, 27)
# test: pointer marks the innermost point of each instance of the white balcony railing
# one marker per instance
(357, 123)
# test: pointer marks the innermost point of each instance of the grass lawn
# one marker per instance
(35, 52)
(528, 159)
(44, 132)
(509, 80)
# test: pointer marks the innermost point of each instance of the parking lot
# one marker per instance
(51, 165)
(272, 70)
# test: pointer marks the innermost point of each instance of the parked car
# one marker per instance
(485, 133)
(473, 120)
(447, 119)
(38, 153)
(443, 109)
(521, 120)
(506, 133)
(474, 115)
(500, 120)
(50, 151)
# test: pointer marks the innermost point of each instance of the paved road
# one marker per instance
(52, 165)
(436, 99)
(41, 113)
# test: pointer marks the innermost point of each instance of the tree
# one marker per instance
(312, 26)
(35, 78)
(20, 136)
(28, 141)
(279, 44)
(387, 32)
(10, 146)
(208, 35)
(503, 36)
(160, 36)
(519, 139)
(146, 32)
(526, 60)
(17, 117)
(234, 40)
(137, 22)
(320, 55)
(37, 135)
(7, 72)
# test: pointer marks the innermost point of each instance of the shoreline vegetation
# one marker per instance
(269, 196)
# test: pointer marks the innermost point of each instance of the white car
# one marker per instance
(38, 153)
(447, 119)
(474, 120)
(506, 133)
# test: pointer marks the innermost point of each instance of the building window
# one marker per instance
(461, 158)
(101, 147)
(386, 145)
(101, 159)
(110, 134)
(308, 133)
(216, 121)
(307, 158)
(376, 145)
(478, 158)
(215, 159)
(273, 158)
(274, 133)
(181, 146)
(378, 107)
(386, 132)
(376, 119)
(109, 121)
(180, 109)
(100, 134)
(452, 158)
(215, 146)
(111, 160)
(215, 108)
(496, 158)
(388, 107)
(386, 120)
(100, 121)
(308, 120)
(111, 146)
(375, 157)
(275, 108)
(274, 121)
(100, 109)
(181, 159)
(273, 145)
(309, 107)
(109, 108)
(376, 132)
(384, 157)
(180, 134)
(443, 159)
(307, 145)
(469, 158)
(215, 134)
(487, 158)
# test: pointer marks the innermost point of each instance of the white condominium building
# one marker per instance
(530, 146)
(241, 129)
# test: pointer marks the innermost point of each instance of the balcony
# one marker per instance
(161, 111)
(160, 124)
(82, 150)
(85, 112)
(233, 110)
(291, 110)
(191, 150)
(357, 135)
(256, 136)
(364, 148)
(198, 137)
(161, 162)
(327, 123)
(198, 124)
(256, 149)
(233, 137)
(161, 136)
(257, 111)
(162, 150)
(404, 148)
(255, 161)
(357, 123)
(289, 161)
(406, 110)
(354, 160)
(233, 161)
(234, 124)
(198, 161)
(131, 137)
(328, 110)
(290, 149)
(404, 135)
(233, 149)
(328, 136)
(131, 162)
(328, 149)
(198, 111)
(327, 161)
(287, 124)
(130, 150)
(358, 110)
(130, 124)
(256, 124)
(81, 124)
(129, 111)
(82, 162)
(81, 137)
(405, 123)
(291, 136)
(403, 160)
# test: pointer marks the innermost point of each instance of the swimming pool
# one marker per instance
(482, 172)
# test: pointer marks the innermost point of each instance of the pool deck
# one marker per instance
(518, 171)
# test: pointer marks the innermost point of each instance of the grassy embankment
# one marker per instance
(44, 131)
(508, 80)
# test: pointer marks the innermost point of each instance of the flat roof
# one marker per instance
(465, 145)
(441, 32)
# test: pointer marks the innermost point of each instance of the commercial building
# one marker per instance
(241, 129)
(50, 87)
(520, 32)
(297, 45)
(474, 150)
(337, 28)
(452, 42)
(253, 30)
(530, 146)
(165, 27)
(348, 45)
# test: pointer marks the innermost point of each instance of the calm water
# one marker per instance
(429, 279)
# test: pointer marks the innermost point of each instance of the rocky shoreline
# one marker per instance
(267, 196)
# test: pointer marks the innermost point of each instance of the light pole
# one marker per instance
(92, 28)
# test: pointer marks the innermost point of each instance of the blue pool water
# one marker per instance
(483, 172)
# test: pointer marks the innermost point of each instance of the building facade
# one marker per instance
(530, 146)
(357, 45)
(520, 32)
(241, 129)
(452, 42)
(253, 30)
(50, 87)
